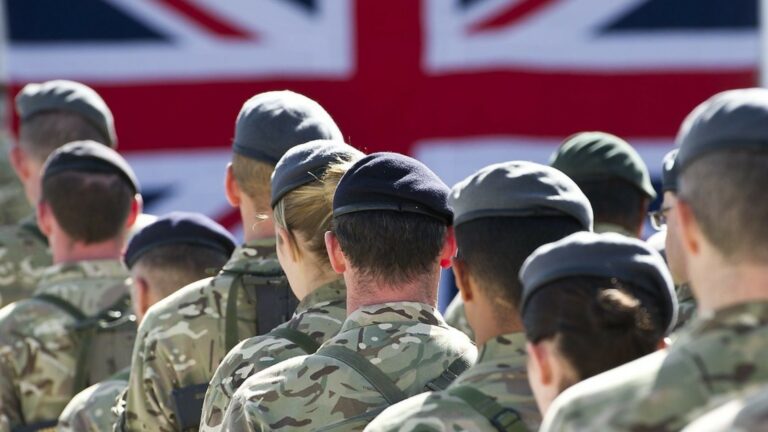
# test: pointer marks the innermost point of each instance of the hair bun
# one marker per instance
(616, 310)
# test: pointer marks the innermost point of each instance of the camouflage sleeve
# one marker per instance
(10, 406)
(90, 410)
(457, 318)
(238, 419)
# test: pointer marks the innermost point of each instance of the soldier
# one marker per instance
(51, 114)
(302, 194)
(183, 338)
(746, 413)
(724, 154)
(390, 236)
(75, 330)
(502, 213)
(592, 302)
(176, 250)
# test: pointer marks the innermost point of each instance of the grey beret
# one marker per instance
(270, 123)
(90, 157)
(606, 255)
(306, 163)
(592, 156)
(68, 96)
(517, 189)
(669, 172)
(731, 120)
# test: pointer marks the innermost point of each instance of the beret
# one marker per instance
(590, 156)
(306, 163)
(669, 172)
(90, 157)
(519, 189)
(731, 120)
(608, 255)
(391, 181)
(179, 228)
(270, 123)
(68, 96)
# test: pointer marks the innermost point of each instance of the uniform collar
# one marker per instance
(91, 285)
(502, 346)
(331, 292)
(256, 254)
(744, 315)
(393, 313)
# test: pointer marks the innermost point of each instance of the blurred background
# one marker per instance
(458, 84)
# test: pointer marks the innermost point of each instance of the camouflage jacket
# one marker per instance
(746, 413)
(183, 338)
(39, 346)
(716, 357)
(686, 309)
(408, 342)
(500, 373)
(457, 318)
(319, 315)
(24, 256)
(91, 409)
(13, 202)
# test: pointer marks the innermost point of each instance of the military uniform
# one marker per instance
(457, 318)
(41, 364)
(747, 413)
(13, 202)
(686, 305)
(24, 256)
(500, 373)
(91, 409)
(408, 342)
(318, 317)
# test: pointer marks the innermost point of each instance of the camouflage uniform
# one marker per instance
(715, 357)
(457, 318)
(500, 373)
(748, 413)
(408, 342)
(319, 315)
(39, 349)
(24, 255)
(686, 305)
(91, 409)
(183, 337)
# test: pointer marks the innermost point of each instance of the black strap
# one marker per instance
(502, 419)
(456, 368)
(41, 426)
(66, 306)
(188, 405)
(378, 379)
(231, 336)
(302, 340)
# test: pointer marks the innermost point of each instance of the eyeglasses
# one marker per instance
(659, 218)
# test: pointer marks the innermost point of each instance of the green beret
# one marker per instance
(589, 156)
(518, 189)
(70, 96)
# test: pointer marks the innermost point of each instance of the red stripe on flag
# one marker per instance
(206, 19)
(511, 14)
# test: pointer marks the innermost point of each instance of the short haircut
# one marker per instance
(617, 202)
(494, 249)
(89, 207)
(173, 266)
(595, 322)
(44, 132)
(254, 177)
(390, 247)
(726, 191)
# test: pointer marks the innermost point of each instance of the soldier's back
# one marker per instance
(24, 256)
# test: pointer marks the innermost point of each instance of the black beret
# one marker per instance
(179, 228)
(391, 181)
(669, 172)
(270, 123)
(90, 157)
(608, 255)
(731, 120)
(68, 96)
(306, 163)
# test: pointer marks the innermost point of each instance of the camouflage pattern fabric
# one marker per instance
(24, 256)
(409, 342)
(319, 315)
(716, 357)
(181, 339)
(13, 201)
(686, 305)
(500, 373)
(39, 348)
(747, 413)
(91, 409)
(605, 227)
(457, 318)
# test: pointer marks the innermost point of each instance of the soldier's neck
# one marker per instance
(730, 285)
(365, 291)
(67, 251)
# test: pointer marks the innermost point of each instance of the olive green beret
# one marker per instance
(589, 156)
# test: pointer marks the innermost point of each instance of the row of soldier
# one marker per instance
(325, 318)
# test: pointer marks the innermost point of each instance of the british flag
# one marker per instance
(457, 83)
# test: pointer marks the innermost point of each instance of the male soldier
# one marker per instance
(51, 114)
(612, 176)
(394, 343)
(183, 338)
(174, 251)
(75, 330)
(502, 213)
(723, 154)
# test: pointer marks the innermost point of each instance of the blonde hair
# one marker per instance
(253, 177)
(308, 210)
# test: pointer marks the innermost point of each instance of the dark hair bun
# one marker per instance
(616, 310)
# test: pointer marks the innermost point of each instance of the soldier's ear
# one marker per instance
(44, 218)
(335, 254)
(690, 232)
(137, 206)
(463, 281)
(449, 249)
(18, 162)
(231, 188)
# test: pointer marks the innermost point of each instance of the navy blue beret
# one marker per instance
(90, 157)
(391, 181)
(179, 228)
(306, 163)
(669, 172)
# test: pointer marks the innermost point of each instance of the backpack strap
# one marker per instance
(41, 426)
(502, 419)
(456, 368)
(302, 340)
(378, 379)
(188, 405)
